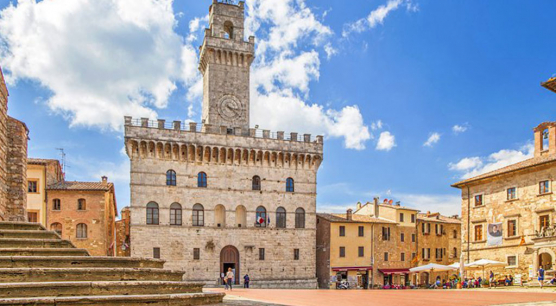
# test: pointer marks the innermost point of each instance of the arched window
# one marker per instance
(152, 213)
(455, 252)
(81, 230)
(300, 218)
(281, 217)
(202, 180)
(455, 234)
(220, 215)
(175, 214)
(81, 204)
(256, 183)
(56, 204)
(260, 217)
(241, 216)
(545, 139)
(57, 227)
(198, 215)
(170, 178)
(289, 185)
(228, 30)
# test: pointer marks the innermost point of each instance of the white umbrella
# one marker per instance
(430, 268)
(483, 263)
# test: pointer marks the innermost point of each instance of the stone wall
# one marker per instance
(3, 148)
(17, 171)
(323, 252)
(123, 241)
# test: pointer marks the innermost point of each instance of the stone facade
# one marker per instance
(3, 148)
(227, 182)
(97, 212)
(520, 197)
(123, 238)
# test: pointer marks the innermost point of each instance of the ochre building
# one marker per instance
(84, 213)
(40, 174)
(222, 194)
(509, 214)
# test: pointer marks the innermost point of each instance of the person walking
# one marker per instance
(541, 276)
(230, 278)
(246, 281)
(223, 279)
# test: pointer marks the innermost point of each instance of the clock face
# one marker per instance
(230, 108)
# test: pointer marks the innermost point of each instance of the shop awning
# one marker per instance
(393, 271)
(359, 268)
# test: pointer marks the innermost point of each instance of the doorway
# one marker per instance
(545, 261)
(229, 258)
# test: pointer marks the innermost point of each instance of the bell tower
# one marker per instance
(225, 61)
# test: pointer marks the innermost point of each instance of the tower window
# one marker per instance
(171, 178)
(256, 183)
(202, 180)
(228, 30)
(289, 185)
(545, 139)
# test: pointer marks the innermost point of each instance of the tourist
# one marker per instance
(553, 280)
(230, 278)
(246, 281)
(541, 276)
(511, 279)
(223, 279)
(506, 280)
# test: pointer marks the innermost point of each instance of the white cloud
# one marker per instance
(386, 141)
(473, 166)
(377, 125)
(376, 17)
(433, 139)
(330, 51)
(101, 59)
(457, 129)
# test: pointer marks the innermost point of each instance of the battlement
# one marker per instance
(193, 127)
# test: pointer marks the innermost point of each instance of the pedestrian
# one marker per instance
(230, 278)
(491, 279)
(246, 281)
(223, 279)
(541, 276)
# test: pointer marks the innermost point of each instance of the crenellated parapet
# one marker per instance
(208, 144)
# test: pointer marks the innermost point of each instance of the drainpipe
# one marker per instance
(468, 221)
(372, 255)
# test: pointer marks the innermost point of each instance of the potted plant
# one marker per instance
(486, 283)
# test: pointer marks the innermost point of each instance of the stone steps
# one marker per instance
(21, 275)
(34, 243)
(10, 225)
(181, 299)
(43, 252)
(37, 234)
(46, 289)
(78, 261)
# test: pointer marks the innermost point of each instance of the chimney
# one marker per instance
(428, 213)
(104, 179)
(376, 207)
(349, 214)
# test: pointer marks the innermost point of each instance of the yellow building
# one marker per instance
(40, 174)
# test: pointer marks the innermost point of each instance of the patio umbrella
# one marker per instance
(483, 263)
(430, 268)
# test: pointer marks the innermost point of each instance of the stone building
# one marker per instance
(13, 161)
(379, 242)
(550, 84)
(84, 213)
(508, 214)
(40, 174)
(222, 194)
(438, 241)
(123, 237)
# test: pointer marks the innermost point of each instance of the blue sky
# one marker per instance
(411, 95)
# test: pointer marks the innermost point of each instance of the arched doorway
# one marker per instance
(425, 278)
(545, 261)
(229, 258)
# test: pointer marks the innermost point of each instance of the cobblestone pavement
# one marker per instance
(274, 297)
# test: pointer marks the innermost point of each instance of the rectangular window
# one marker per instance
(512, 228)
(32, 186)
(512, 260)
(479, 232)
(401, 217)
(33, 216)
(261, 253)
(428, 228)
(428, 253)
(156, 252)
(544, 221)
(402, 256)
(342, 231)
(295, 254)
(385, 233)
(361, 231)
(479, 200)
(413, 255)
(385, 256)
(196, 253)
(544, 187)
(436, 229)
(423, 228)
(412, 218)
(412, 237)
(402, 237)
(361, 251)
(342, 252)
(455, 252)
(511, 193)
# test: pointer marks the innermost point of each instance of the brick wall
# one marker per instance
(16, 171)
(3, 148)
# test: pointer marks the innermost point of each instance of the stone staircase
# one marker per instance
(38, 268)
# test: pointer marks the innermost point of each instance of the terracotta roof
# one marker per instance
(69, 185)
(394, 206)
(528, 163)
(550, 84)
(41, 161)
(436, 217)
(355, 218)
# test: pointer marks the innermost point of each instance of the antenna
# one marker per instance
(63, 155)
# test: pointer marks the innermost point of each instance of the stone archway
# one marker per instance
(545, 260)
(229, 258)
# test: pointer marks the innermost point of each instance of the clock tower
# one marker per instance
(225, 61)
